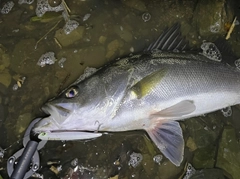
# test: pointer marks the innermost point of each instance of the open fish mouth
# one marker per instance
(57, 115)
(61, 108)
(52, 128)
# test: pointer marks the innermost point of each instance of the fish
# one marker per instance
(151, 91)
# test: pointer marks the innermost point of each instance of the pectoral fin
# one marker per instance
(148, 83)
(169, 139)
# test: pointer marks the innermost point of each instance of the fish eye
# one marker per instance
(72, 92)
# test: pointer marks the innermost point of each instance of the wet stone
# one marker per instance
(23, 122)
(113, 47)
(135, 4)
(191, 144)
(228, 152)
(5, 78)
(4, 60)
(166, 166)
(210, 16)
(148, 164)
(123, 33)
(102, 39)
(68, 39)
(205, 157)
(204, 130)
(208, 174)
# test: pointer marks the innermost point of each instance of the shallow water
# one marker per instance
(113, 29)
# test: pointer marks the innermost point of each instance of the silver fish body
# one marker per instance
(149, 91)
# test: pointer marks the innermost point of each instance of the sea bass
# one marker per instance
(148, 91)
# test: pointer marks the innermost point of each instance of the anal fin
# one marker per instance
(169, 139)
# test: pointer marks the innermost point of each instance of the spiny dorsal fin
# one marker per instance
(170, 39)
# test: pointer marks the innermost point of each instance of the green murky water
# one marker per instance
(115, 28)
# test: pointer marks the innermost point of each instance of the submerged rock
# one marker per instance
(135, 4)
(69, 39)
(210, 17)
(204, 130)
(5, 78)
(228, 152)
(113, 47)
(22, 122)
(123, 33)
(191, 144)
(4, 60)
(205, 157)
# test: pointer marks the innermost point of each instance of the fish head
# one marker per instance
(76, 109)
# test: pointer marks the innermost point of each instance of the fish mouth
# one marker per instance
(60, 109)
(54, 127)
(58, 113)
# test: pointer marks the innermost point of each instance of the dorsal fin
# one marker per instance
(170, 39)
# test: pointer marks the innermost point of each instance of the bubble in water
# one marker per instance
(157, 159)
(7, 7)
(227, 112)
(190, 171)
(46, 59)
(215, 28)
(135, 159)
(70, 26)
(43, 7)
(211, 51)
(25, 1)
(146, 16)
(237, 63)
(74, 162)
